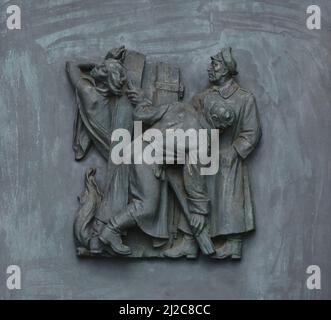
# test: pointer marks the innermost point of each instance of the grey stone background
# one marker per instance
(284, 64)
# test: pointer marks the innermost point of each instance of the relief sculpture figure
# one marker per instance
(232, 214)
(101, 108)
(186, 180)
(182, 211)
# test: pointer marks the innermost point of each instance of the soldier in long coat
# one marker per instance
(232, 204)
(232, 212)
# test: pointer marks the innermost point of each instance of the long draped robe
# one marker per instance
(232, 210)
(97, 117)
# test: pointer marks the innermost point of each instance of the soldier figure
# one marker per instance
(229, 190)
(219, 207)
(145, 183)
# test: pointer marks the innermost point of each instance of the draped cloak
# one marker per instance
(97, 116)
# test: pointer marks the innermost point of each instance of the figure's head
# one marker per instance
(112, 74)
(222, 66)
(219, 116)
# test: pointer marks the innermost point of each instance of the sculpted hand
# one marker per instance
(197, 222)
(117, 53)
(86, 66)
(135, 95)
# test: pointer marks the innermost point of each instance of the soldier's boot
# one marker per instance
(111, 233)
(188, 248)
(95, 245)
(232, 248)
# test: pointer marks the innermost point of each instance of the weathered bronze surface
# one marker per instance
(180, 212)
